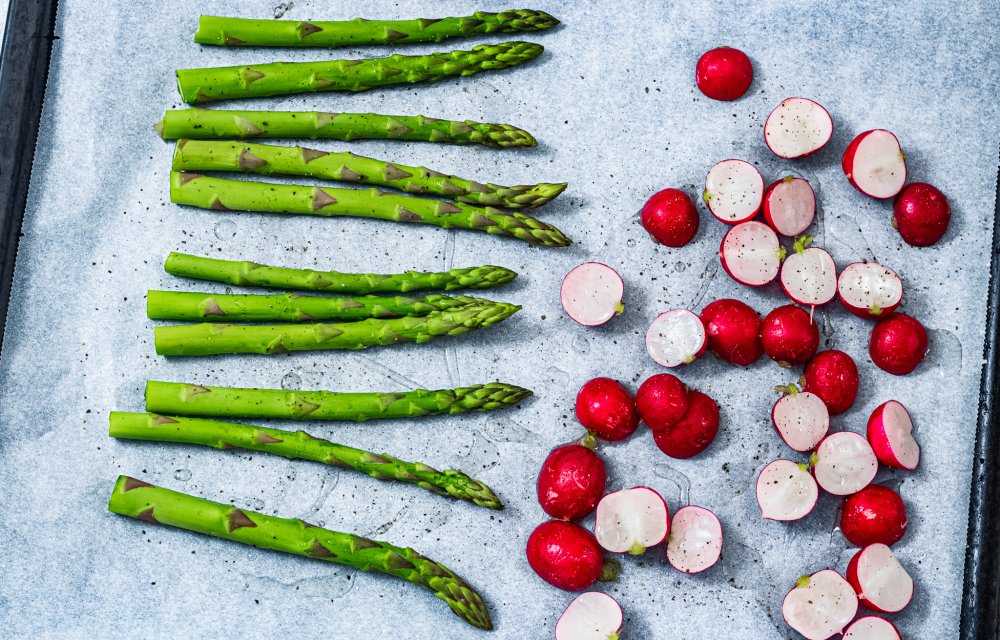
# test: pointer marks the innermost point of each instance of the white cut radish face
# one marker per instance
(878, 168)
(870, 288)
(797, 127)
(631, 520)
(676, 337)
(695, 540)
(820, 605)
(750, 253)
(891, 434)
(802, 420)
(592, 293)
(786, 491)
(844, 463)
(810, 277)
(734, 190)
(883, 581)
(591, 616)
(791, 206)
(871, 628)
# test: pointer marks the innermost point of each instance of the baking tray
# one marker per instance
(69, 570)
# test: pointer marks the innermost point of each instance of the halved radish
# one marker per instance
(751, 254)
(800, 418)
(695, 542)
(631, 520)
(809, 275)
(869, 290)
(820, 605)
(844, 463)
(890, 432)
(734, 190)
(676, 337)
(786, 491)
(591, 616)
(882, 584)
(872, 628)
(790, 206)
(592, 293)
(797, 127)
(874, 164)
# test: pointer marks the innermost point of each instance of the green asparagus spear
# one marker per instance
(211, 339)
(282, 78)
(218, 124)
(138, 499)
(251, 274)
(209, 192)
(346, 33)
(299, 445)
(196, 155)
(176, 398)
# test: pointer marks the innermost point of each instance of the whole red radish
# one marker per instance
(670, 217)
(898, 344)
(565, 555)
(724, 73)
(605, 407)
(789, 335)
(881, 582)
(694, 432)
(662, 400)
(571, 482)
(876, 514)
(921, 214)
(733, 330)
(890, 432)
(833, 376)
(874, 164)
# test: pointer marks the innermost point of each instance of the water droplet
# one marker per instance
(580, 344)
(630, 243)
(256, 504)
(681, 494)
(225, 229)
(508, 430)
(183, 475)
(944, 353)
(291, 381)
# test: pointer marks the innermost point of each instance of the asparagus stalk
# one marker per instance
(282, 78)
(299, 445)
(210, 192)
(176, 398)
(196, 155)
(287, 33)
(252, 274)
(138, 499)
(218, 124)
(212, 339)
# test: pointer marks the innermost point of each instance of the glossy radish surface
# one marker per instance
(592, 293)
(809, 276)
(670, 218)
(591, 616)
(801, 419)
(724, 73)
(876, 514)
(662, 400)
(676, 337)
(695, 542)
(734, 191)
(571, 481)
(733, 330)
(869, 290)
(565, 555)
(833, 376)
(790, 206)
(898, 344)
(881, 582)
(606, 408)
(797, 127)
(786, 491)
(874, 164)
(821, 605)
(890, 433)
(921, 214)
(694, 431)
(750, 253)
(844, 463)
(631, 520)
(871, 628)
(789, 335)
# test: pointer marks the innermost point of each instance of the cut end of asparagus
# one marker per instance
(158, 127)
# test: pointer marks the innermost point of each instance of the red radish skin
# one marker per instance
(662, 400)
(631, 520)
(798, 127)
(820, 605)
(733, 330)
(890, 432)
(898, 344)
(881, 582)
(921, 214)
(670, 218)
(695, 542)
(809, 275)
(833, 376)
(571, 482)
(592, 293)
(844, 463)
(694, 432)
(875, 164)
(606, 408)
(790, 206)
(676, 337)
(734, 191)
(801, 419)
(789, 335)
(876, 514)
(565, 555)
(786, 491)
(869, 290)
(724, 73)
(751, 254)
(591, 616)
(872, 628)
